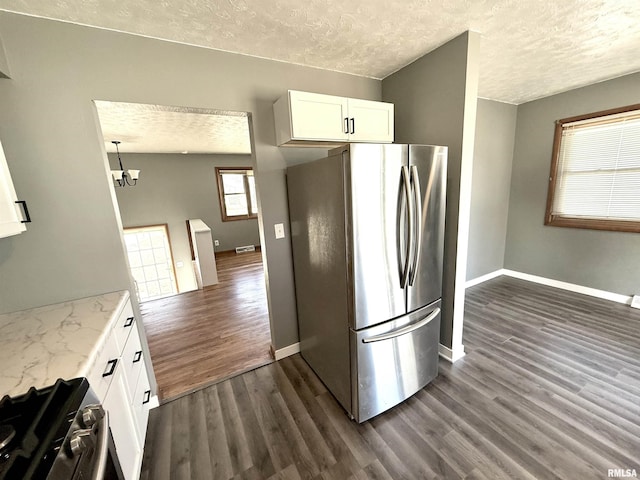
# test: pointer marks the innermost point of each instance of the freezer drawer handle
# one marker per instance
(403, 330)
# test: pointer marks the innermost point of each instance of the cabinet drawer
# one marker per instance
(124, 325)
(133, 360)
(102, 372)
(141, 402)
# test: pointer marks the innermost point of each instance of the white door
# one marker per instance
(10, 215)
(318, 117)
(370, 121)
(151, 261)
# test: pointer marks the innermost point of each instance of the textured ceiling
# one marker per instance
(161, 129)
(530, 48)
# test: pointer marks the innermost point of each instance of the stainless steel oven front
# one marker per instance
(88, 451)
(59, 432)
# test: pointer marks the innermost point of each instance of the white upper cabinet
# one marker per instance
(11, 215)
(370, 121)
(303, 118)
(317, 117)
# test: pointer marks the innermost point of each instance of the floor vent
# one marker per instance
(246, 248)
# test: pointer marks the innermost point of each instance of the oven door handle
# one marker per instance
(102, 449)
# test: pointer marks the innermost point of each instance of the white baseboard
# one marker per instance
(451, 355)
(287, 351)
(572, 287)
(593, 292)
(484, 278)
(154, 402)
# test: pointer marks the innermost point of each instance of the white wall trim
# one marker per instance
(451, 355)
(154, 402)
(287, 351)
(593, 292)
(484, 278)
(572, 287)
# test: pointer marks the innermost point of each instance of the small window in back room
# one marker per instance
(595, 171)
(237, 193)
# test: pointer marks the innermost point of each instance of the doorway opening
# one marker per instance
(198, 332)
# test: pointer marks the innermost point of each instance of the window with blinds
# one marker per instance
(595, 171)
(237, 193)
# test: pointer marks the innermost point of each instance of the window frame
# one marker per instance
(574, 222)
(223, 207)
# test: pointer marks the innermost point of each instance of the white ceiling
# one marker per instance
(163, 129)
(530, 48)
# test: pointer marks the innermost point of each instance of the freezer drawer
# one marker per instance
(392, 361)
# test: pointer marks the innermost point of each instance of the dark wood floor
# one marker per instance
(550, 388)
(197, 338)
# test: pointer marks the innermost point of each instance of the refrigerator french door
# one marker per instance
(367, 235)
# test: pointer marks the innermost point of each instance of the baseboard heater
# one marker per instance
(246, 248)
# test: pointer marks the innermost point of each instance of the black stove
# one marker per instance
(57, 432)
(33, 427)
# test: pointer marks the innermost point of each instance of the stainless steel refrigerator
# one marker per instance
(367, 231)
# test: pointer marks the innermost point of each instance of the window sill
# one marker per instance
(593, 224)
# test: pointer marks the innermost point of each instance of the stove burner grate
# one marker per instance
(34, 424)
(7, 432)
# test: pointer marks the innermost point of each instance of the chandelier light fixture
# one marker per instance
(124, 177)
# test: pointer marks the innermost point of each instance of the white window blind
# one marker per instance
(237, 193)
(598, 174)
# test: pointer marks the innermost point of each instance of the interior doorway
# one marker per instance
(208, 335)
(196, 336)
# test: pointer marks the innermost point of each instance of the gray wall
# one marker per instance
(174, 188)
(48, 127)
(491, 183)
(604, 260)
(435, 101)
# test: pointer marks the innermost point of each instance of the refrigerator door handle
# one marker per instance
(403, 330)
(407, 194)
(417, 196)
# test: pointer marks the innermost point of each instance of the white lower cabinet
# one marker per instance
(119, 379)
(141, 405)
(123, 425)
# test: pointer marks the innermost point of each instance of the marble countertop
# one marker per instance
(40, 345)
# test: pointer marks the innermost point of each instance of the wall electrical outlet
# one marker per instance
(179, 264)
(279, 228)
(216, 243)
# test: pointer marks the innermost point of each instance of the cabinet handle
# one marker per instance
(27, 217)
(353, 125)
(129, 322)
(346, 125)
(137, 356)
(111, 367)
(147, 397)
